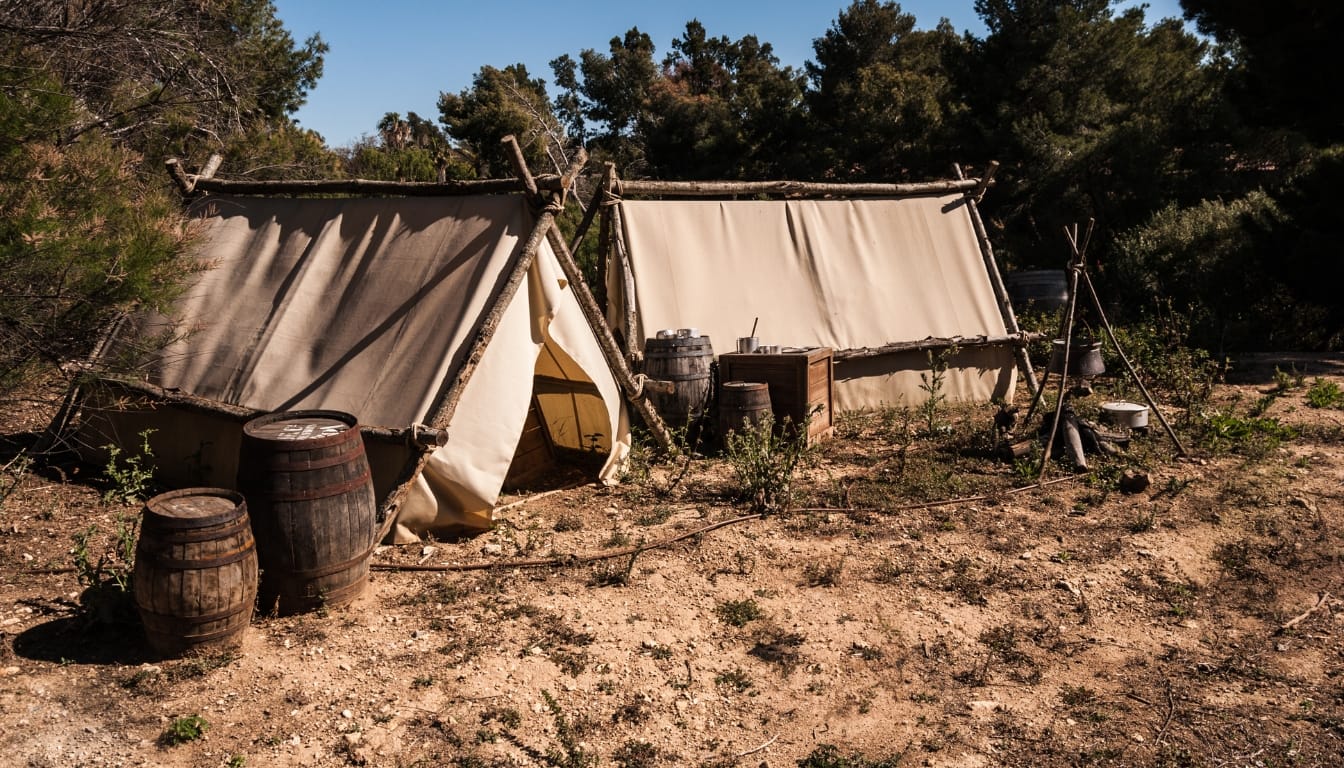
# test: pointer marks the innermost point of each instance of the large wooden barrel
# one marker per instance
(308, 485)
(742, 405)
(195, 578)
(687, 362)
(1046, 289)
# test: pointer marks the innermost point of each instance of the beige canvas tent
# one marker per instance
(399, 310)
(883, 274)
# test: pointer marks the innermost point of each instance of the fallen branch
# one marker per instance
(1301, 617)
(741, 755)
(552, 562)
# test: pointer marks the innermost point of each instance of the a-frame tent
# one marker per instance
(441, 311)
(883, 274)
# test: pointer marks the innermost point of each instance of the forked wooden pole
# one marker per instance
(995, 277)
(632, 387)
(1075, 271)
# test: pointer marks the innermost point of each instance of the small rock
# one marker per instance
(1144, 553)
(27, 558)
(1139, 738)
(352, 738)
(983, 705)
(10, 671)
(1026, 556)
(492, 549)
(1134, 481)
(1065, 584)
(347, 714)
(1304, 503)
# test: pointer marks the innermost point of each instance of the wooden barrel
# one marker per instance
(742, 405)
(687, 363)
(308, 485)
(195, 578)
(1046, 289)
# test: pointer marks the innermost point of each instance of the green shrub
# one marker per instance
(1324, 394)
(765, 462)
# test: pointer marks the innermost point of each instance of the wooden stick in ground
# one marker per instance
(1133, 374)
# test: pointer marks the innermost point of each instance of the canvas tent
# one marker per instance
(379, 307)
(882, 274)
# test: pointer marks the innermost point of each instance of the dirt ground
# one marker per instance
(1196, 622)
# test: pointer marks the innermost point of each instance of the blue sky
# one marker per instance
(397, 55)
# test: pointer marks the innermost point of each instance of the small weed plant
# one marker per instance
(184, 729)
(1255, 437)
(569, 753)
(130, 477)
(106, 574)
(1325, 394)
(765, 462)
(739, 613)
(931, 383)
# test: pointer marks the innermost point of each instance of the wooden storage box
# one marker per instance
(800, 381)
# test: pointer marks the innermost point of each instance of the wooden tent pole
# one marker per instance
(632, 388)
(793, 188)
(995, 277)
(442, 414)
(633, 350)
(593, 205)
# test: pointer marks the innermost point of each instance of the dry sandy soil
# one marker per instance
(1196, 622)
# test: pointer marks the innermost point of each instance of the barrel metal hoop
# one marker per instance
(216, 616)
(326, 491)
(320, 463)
(193, 535)
(173, 563)
(330, 568)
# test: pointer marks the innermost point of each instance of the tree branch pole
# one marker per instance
(442, 414)
(798, 188)
(1016, 340)
(606, 342)
(1133, 374)
(1075, 269)
(593, 204)
(992, 269)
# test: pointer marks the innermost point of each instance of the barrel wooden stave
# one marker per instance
(195, 577)
(687, 362)
(742, 405)
(314, 511)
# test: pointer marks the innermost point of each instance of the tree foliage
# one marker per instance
(93, 97)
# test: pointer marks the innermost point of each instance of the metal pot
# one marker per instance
(1084, 358)
(1125, 414)
(748, 344)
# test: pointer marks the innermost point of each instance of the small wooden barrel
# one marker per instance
(685, 361)
(195, 578)
(742, 405)
(308, 485)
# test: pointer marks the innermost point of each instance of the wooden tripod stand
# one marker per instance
(1078, 276)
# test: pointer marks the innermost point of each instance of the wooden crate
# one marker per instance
(800, 381)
